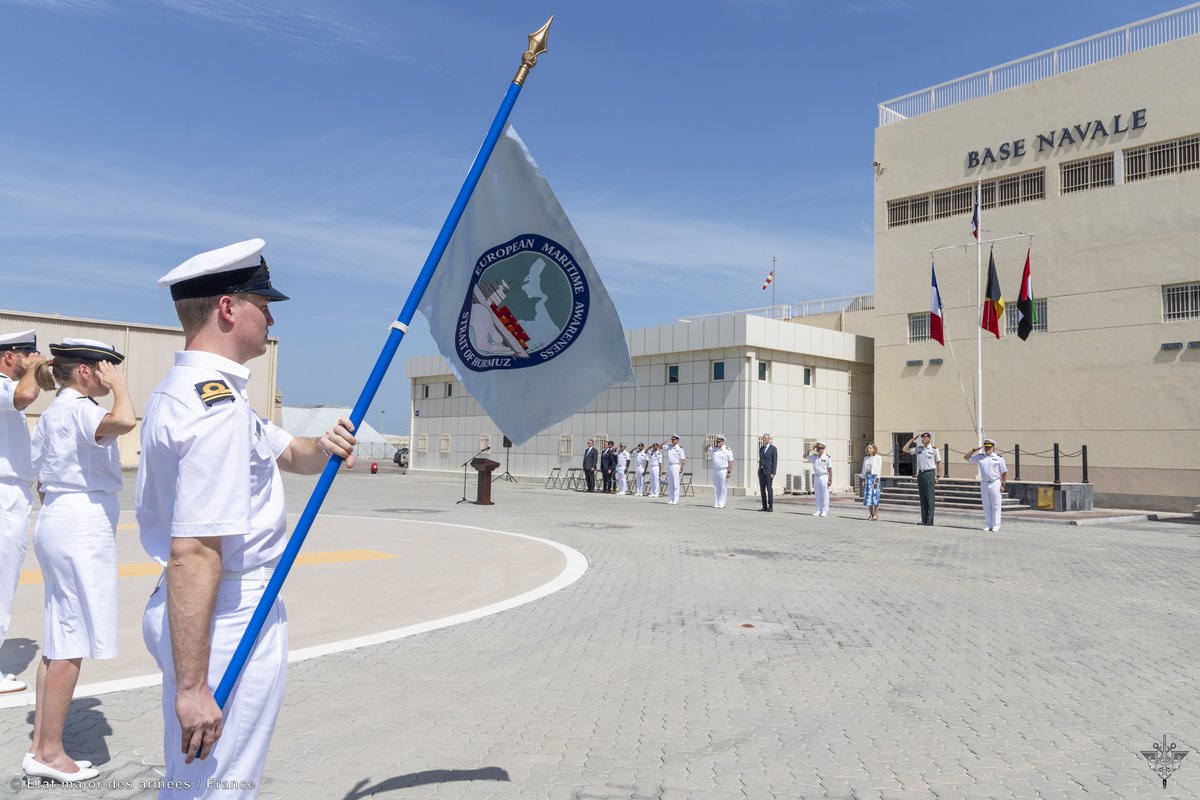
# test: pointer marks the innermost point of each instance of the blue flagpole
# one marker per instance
(537, 46)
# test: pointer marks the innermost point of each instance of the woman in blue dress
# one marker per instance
(871, 470)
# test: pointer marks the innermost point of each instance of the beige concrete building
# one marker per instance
(149, 352)
(738, 374)
(1093, 149)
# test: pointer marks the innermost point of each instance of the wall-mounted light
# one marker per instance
(1171, 346)
(935, 362)
(914, 363)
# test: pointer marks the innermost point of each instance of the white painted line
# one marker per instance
(576, 565)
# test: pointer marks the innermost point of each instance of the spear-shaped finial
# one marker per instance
(537, 46)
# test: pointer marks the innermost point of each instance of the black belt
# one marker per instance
(922, 472)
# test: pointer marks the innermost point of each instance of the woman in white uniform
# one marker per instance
(78, 468)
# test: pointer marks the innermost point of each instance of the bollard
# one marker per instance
(1057, 474)
(946, 460)
(1084, 453)
(1017, 461)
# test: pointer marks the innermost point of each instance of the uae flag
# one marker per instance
(993, 302)
(935, 311)
(1026, 306)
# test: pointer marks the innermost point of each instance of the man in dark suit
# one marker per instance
(589, 466)
(768, 460)
(608, 466)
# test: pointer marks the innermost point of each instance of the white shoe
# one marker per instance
(816, 513)
(11, 683)
(80, 762)
(36, 769)
(824, 513)
(620, 493)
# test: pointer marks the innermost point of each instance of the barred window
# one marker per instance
(1020, 188)
(1181, 301)
(423, 443)
(485, 441)
(1009, 190)
(1012, 317)
(953, 201)
(1163, 158)
(918, 327)
(601, 440)
(445, 443)
(710, 441)
(566, 444)
(1087, 173)
(1033, 185)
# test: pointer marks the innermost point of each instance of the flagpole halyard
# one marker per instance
(537, 46)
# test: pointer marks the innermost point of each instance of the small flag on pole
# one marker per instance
(993, 301)
(1026, 305)
(935, 311)
(975, 219)
(516, 305)
(770, 277)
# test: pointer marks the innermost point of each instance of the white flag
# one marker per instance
(516, 306)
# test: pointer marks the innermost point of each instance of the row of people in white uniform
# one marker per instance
(210, 509)
(648, 463)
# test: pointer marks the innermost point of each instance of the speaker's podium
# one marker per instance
(484, 466)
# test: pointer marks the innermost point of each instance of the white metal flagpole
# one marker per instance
(979, 311)
(774, 279)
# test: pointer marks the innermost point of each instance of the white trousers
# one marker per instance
(719, 477)
(622, 482)
(655, 480)
(989, 493)
(639, 476)
(233, 770)
(673, 471)
(821, 488)
(76, 546)
(15, 502)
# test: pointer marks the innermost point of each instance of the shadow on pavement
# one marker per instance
(362, 789)
(16, 655)
(85, 731)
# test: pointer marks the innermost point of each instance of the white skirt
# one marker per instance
(76, 547)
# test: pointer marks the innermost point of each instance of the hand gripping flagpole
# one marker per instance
(537, 46)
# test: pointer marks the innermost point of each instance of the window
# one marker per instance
(445, 443)
(485, 441)
(449, 390)
(425, 393)
(566, 444)
(1164, 158)
(1012, 317)
(672, 373)
(808, 376)
(918, 327)
(601, 441)
(764, 370)
(710, 441)
(1181, 301)
(718, 370)
(423, 443)
(1088, 173)
(1022, 187)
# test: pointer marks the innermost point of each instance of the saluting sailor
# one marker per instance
(210, 507)
(654, 462)
(622, 459)
(822, 477)
(722, 470)
(640, 459)
(78, 469)
(676, 459)
(993, 480)
(18, 357)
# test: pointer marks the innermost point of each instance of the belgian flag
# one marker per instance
(1025, 304)
(993, 302)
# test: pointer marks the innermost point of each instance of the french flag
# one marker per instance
(975, 219)
(935, 311)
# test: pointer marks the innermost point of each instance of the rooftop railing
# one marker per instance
(1168, 27)
(808, 308)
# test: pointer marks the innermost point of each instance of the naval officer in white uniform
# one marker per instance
(993, 480)
(211, 510)
(18, 388)
(822, 476)
(676, 459)
(722, 470)
(654, 459)
(78, 469)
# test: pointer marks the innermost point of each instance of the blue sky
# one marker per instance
(690, 142)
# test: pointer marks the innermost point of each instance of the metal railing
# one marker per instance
(808, 308)
(1151, 32)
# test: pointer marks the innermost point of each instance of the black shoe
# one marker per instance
(772, 508)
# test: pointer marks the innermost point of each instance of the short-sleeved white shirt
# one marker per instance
(654, 458)
(66, 455)
(821, 464)
(622, 459)
(674, 453)
(15, 461)
(990, 467)
(721, 457)
(208, 465)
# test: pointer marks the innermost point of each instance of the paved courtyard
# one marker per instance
(723, 654)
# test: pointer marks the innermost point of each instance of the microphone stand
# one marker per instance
(464, 468)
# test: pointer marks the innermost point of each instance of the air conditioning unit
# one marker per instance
(800, 483)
